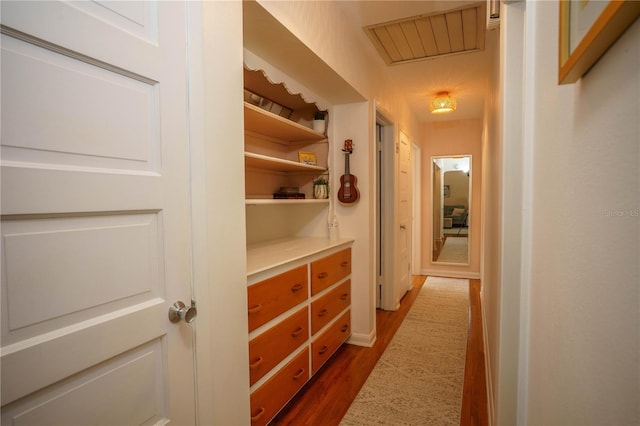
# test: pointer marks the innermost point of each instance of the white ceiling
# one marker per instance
(463, 75)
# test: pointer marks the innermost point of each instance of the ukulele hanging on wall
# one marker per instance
(348, 192)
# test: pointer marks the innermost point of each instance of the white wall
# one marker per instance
(584, 357)
(353, 121)
(219, 254)
(579, 292)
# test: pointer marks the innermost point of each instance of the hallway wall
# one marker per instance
(445, 138)
(568, 293)
(584, 347)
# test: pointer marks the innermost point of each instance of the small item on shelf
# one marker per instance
(288, 196)
(289, 193)
(319, 123)
(289, 189)
(307, 157)
(267, 104)
(321, 188)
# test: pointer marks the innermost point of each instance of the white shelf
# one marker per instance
(278, 164)
(266, 123)
(270, 254)
(266, 201)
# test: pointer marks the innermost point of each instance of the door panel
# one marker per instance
(59, 93)
(92, 396)
(95, 214)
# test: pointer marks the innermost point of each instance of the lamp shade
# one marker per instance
(443, 103)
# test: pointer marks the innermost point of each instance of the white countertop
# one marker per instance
(269, 254)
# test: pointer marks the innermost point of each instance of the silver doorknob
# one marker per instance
(178, 311)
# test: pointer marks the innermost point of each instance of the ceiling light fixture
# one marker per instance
(443, 103)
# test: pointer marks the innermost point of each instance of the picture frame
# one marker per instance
(446, 191)
(587, 29)
(307, 158)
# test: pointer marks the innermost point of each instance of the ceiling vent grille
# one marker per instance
(430, 36)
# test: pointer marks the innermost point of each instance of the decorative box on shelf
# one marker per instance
(289, 193)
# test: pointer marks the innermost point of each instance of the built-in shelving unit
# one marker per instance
(268, 124)
(273, 144)
(278, 164)
(270, 201)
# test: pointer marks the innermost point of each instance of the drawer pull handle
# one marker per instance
(296, 287)
(323, 313)
(255, 309)
(344, 328)
(256, 363)
(344, 296)
(298, 374)
(344, 264)
(296, 332)
(258, 415)
(323, 349)
(322, 275)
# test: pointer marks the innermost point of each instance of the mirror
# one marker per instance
(451, 200)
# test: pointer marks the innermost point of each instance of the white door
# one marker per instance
(404, 215)
(95, 214)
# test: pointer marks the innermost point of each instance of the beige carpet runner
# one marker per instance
(418, 379)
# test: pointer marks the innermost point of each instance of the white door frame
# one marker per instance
(416, 228)
(219, 248)
(386, 212)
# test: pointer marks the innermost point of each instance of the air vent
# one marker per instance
(430, 36)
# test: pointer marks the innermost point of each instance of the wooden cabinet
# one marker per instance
(272, 346)
(325, 308)
(283, 351)
(297, 278)
(276, 295)
(328, 270)
(326, 343)
(280, 388)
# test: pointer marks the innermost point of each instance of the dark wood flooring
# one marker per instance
(325, 399)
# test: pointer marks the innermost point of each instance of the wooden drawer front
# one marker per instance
(267, 400)
(273, 296)
(329, 270)
(327, 342)
(328, 306)
(272, 346)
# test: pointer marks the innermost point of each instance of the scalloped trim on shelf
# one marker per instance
(257, 81)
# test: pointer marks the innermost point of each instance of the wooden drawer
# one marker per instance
(272, 346)
(269, 398)
(328, 306)
(273, 296)
(329, 270)
(326, 343)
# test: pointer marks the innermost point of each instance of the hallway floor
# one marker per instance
(325, 399)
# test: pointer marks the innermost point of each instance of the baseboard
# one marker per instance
(451, 274)
(487, 364)
(365, 340)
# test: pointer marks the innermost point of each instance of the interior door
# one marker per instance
(404, 214)
(95, 214)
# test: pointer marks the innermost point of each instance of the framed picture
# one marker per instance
(307, 157)
(587, 29)
(446, 191)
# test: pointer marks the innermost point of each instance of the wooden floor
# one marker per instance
(325, 399)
